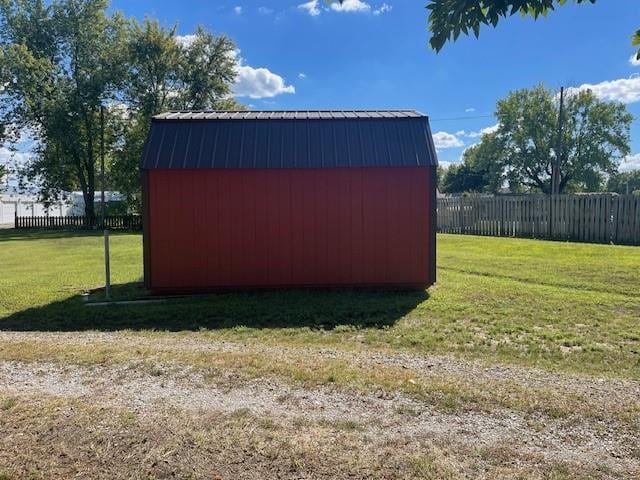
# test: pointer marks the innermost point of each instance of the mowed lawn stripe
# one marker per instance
(560, 306)
(609, 268)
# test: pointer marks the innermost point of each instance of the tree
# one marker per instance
(462, 178)
(165, 74)
(449, 18)
(594, 138)
(63, 62)
(484, 159)
(480, 170)
(625, 182)
(60, 61)
(207, 70)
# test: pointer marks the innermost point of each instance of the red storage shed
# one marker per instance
(289, 199)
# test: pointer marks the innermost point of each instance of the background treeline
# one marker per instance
(517, 156)
(70, 67)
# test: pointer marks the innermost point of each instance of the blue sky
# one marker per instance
(301, 54)
(375, 55)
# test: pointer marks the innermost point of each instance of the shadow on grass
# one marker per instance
(11, 234)
(317, 309)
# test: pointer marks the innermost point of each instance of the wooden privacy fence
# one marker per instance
(598, 218)
(80, 222)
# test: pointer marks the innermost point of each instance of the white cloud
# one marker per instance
(478, 133)
(444, 140)
(259, 83)
(185, 40)
(445, 164)
(302, 75)
(350, 6)
(384, 8)
(265, 10)
(311, 7)
(470, 110)
(625, 90)
(238, 10)
(315, 7)
(633, 60)
(491, 129)
(631, 162)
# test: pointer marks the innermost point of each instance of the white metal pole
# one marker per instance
(107, 269)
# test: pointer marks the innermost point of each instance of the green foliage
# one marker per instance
(625, 182)
(61, 61)
(480, 170)
(207, 69)
(440, 171)
(462, 178)
(520, 153)
(595, 137)
(635, 41)
(166, 75)
(450, 18)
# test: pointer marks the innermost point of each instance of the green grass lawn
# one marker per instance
(565, 306)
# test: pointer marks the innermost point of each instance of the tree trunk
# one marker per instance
(89, 206)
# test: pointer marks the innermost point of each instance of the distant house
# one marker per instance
(289, 199)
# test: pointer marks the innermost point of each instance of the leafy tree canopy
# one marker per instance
(59, 61)
(450, 18)
(480, 171)
(625, 182)
(165, 74)
(525, 145)
(63, 61)
(462, 178)
(520, 152)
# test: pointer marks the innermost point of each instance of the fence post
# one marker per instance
(502, 207)
(550, 216)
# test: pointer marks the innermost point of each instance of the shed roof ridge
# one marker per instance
(320, 114)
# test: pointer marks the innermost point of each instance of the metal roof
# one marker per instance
(289, 139)
(284, 114)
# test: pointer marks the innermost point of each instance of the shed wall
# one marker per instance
(230, 228)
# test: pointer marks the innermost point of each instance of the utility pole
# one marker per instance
(555, 169)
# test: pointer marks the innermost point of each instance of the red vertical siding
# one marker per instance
(290, 227)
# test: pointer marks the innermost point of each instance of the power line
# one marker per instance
(459, 118)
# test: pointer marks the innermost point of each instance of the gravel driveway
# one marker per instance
(390, 434)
